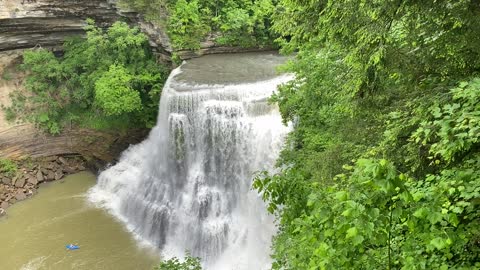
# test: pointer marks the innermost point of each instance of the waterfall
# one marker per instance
(187, 187)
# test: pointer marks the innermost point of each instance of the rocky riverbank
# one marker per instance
(23, 182)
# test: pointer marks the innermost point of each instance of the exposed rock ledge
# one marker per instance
(23, 141)
(47, 23)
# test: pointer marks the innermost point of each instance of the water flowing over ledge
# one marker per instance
(187, 187)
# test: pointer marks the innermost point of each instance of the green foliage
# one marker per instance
(190, 263)
(186, 26)
(110, 76)
(239, 23)
(389, 90)
(8, 167)
(6, 75)
(114, 94)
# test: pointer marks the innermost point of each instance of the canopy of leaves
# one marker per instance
(381, 170)
(113, 92)
(240, 23)
(108, 80)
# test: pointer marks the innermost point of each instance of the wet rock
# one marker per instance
(58, 175)
(50, 176)
(63, 161)
(6, 181)
(4, 205)
(2, 212)
(29, 192)
(32, 180)
(14, 179)
(68, 170)
(20, 182)
(20, 196)
(44, 171)
(39, 176)
(81, 168)
(8, 197)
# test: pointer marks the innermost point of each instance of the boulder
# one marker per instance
(81, 168)
(4, 205)
(32, 180)
(8, 197)
(39, 176)
(58, 175)
(2, 189)
(68, 170)
(63, 161)
(20, 182)
(6, 181)
(50, 176)
(20, 196)
(2, 212)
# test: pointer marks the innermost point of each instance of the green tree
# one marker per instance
(108, 80)
(114, 94)
(387, 89)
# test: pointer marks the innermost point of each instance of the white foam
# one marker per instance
(187, 187)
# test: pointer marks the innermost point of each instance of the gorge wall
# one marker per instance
(31, 23)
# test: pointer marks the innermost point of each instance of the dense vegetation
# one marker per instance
(108, 80)
(243, 23)
(190, 263)
(382, 170)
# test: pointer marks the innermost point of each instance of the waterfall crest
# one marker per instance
(187, 187)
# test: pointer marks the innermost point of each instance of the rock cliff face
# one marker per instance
(30, 23)
(22, 141)
(46, 23)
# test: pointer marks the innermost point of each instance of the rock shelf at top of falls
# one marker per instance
(187, 187)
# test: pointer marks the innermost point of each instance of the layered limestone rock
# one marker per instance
(47, 23)
(22, 141)
(30, 23)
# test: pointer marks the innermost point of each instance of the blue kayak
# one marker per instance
(72, 247)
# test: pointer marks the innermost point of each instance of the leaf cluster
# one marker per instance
(243, 23)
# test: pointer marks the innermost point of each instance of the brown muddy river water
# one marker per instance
(34, 234)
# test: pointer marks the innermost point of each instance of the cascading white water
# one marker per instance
(187, 187)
